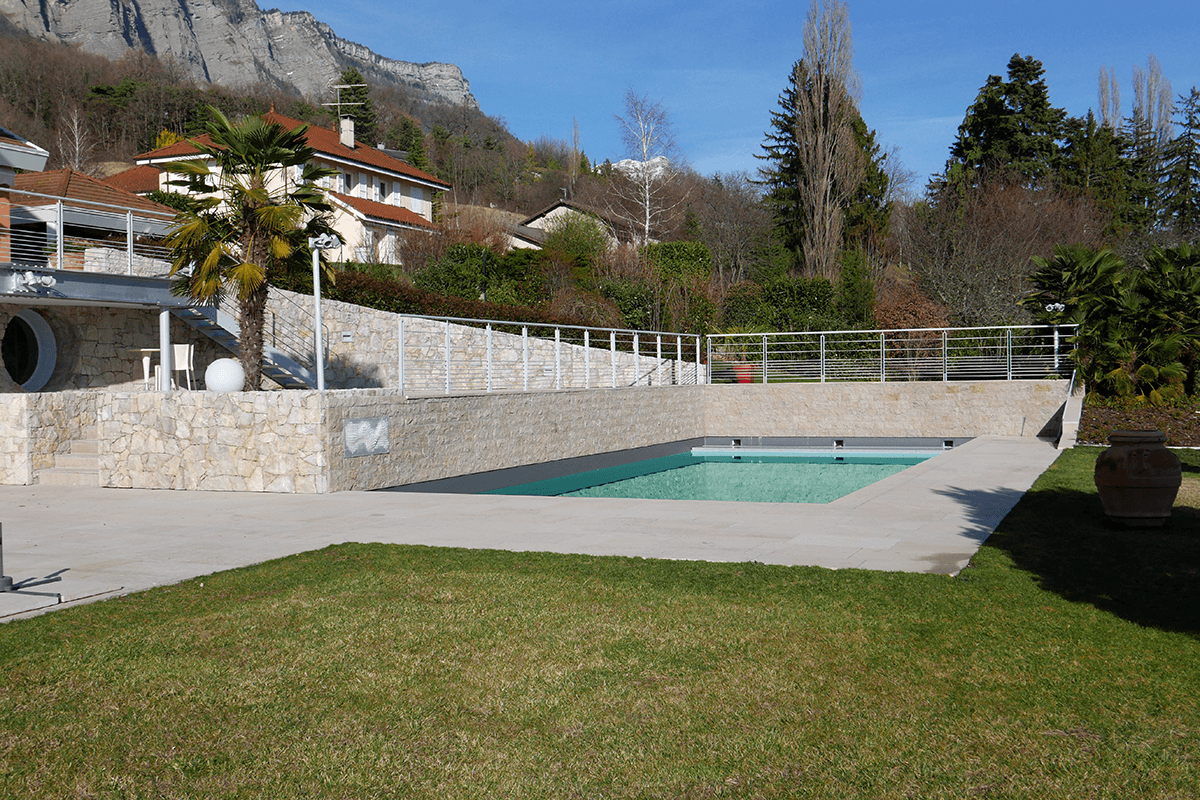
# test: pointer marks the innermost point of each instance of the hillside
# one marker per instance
(232, 43)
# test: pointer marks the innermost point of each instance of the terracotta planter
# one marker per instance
(1138, 478)
(744, 373)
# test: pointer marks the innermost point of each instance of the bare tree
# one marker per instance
(1153, 101)
(1110, 99)
(75, 141)
(831, 162)
(643, 182)
(732, 222)
(973, 256)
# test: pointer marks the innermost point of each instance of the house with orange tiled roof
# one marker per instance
(377, 198)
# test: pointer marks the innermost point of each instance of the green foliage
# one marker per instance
(869, 214)
(241, 230)
(577, 239)
(744, 308)
(800, 304)
(680, 262)
(357, 104)
(634, 300)
(175, 200)
(406, 135)
(855, 292)
(1182, 184)
(1092, 162)
(1011, 125)
(459, 273)
(1139, 329)
(401, 298)
(518, 278)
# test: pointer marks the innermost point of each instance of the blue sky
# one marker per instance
(719, 68)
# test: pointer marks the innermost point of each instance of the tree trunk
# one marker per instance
(253, 311)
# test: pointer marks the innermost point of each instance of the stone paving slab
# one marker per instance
(104, 542)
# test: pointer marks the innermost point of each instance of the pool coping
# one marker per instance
(930, 518)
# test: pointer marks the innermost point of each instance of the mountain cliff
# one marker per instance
(232, 43)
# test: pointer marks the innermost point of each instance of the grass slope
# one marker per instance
(1063, 663)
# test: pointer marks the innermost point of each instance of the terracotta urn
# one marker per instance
(1138, 478)
(744, 373)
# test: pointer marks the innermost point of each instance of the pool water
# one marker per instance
(759, 478)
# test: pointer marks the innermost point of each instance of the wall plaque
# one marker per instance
(366, 437)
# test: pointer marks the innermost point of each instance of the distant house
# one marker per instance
(531, 232)
(377, 198)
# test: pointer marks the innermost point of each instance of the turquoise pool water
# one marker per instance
(759, 478)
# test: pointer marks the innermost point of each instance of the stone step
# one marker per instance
(85, 446)
(78, 461)
(57, 476)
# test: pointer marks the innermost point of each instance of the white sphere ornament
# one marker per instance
(225, 375)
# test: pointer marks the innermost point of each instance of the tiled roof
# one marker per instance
(324, 141)
(382, 211)
(136, 180)
(72, 185)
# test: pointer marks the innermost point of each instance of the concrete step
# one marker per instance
(78, 461)
(85, 447)
(58, 476)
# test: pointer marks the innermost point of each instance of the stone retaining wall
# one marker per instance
(295, 441)
(244, 441)
(434, 438)
(924, 408)
(364, 352)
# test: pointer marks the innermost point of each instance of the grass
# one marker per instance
(1063, 663)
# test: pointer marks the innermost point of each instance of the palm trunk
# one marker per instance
(253, 311)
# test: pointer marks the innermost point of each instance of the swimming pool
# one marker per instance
(731, 475)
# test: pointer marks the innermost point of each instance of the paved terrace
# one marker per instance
(106, 542)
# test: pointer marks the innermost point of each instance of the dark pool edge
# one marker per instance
(482, 482)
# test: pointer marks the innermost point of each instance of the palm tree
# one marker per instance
(247, 219)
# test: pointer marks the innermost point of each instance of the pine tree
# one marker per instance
(409, 138)
(1093, 162)
(781, 151)
(1182, 182)
(356, 103)
(1010, 127)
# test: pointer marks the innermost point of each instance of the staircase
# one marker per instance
(291, 370)
(79, 466)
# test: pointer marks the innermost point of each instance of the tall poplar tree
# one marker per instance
(815, 160)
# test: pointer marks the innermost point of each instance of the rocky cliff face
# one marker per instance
(232, 43)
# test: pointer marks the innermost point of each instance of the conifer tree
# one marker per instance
(1011, 126)
(1182, 184)
(356, 103)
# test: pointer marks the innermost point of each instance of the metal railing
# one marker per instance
(102, 238)
(919, 354)
(449, 355)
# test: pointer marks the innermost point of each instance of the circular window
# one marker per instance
(29, 350)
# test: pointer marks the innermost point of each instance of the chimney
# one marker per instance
(347, 135)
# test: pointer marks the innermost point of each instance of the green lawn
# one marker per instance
(1064, 663)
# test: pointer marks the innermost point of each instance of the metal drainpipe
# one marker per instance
(129, 241)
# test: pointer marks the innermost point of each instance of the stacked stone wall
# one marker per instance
(243, 441)
(296, 441)
(433, 438)
(933, 408)
(364, 352)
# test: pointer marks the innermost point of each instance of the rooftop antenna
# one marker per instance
(338, 102)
